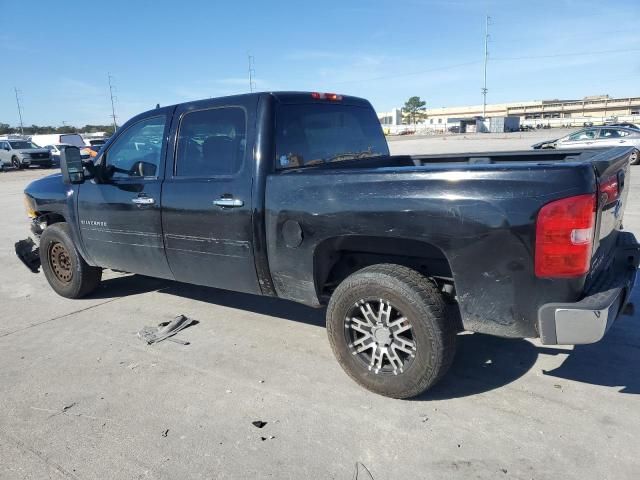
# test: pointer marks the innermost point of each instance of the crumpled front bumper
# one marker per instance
(27, 250)
(588, 320)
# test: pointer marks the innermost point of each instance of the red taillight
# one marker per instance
(609, 190)
(564, 237)
(326, 96)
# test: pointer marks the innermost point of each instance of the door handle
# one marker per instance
(622, 141)
(143, 200)
(228, 202)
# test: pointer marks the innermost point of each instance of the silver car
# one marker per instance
(598, 137)
(22, 154)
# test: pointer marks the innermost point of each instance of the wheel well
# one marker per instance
(337, 258)
(51, 218)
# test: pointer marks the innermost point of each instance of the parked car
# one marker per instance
(95, 142)
(597, 137)
(56, 150)
(454, 129)
(295, 195)
(23, 154)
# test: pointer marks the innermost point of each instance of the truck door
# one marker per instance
(120, 221)
(206, 196)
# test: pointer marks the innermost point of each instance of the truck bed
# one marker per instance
(472, 216)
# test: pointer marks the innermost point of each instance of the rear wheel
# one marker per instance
(388, 328)
(634, 158)
(66, 271)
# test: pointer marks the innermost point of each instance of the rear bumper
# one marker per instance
(588, 320)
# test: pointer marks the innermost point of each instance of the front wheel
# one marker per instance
(388, 328)
(66, 271)
(634, 158)
(15, 161)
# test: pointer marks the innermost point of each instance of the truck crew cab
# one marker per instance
(295, 195)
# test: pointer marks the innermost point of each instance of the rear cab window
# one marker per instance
(310, 134)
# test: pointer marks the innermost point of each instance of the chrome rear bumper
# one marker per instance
(589, 319)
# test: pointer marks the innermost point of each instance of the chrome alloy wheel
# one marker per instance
(380, 335)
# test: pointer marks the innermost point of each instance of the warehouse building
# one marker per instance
(595, 109)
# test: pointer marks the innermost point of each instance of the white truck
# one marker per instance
(59, 138)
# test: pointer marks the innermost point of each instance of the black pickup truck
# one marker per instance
(295, 195)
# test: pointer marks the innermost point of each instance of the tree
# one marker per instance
(414, 109)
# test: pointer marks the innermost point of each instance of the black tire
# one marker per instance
(634, 158)
(413, 297)
(15, 161)
(66, 271)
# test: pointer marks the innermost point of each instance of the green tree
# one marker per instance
(6, 129)
(414, 109)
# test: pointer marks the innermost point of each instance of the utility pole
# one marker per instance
(252, 72)
(486, 58)
(113, 108)
(19, 111)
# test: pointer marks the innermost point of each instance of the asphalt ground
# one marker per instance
(81, 397)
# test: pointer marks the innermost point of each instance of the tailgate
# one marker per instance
(612, 169)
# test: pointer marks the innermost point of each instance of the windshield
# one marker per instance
(22, 144)
(311, 134)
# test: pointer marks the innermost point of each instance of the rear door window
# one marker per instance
(211, 142)
(315, 133)
(612, 133)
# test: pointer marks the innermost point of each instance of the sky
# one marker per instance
(59, 54)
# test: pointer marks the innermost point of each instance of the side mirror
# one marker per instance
(71, 166)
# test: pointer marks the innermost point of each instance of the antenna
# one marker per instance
(252, 72)
(19, 111)
(113, 98)
(486, 59)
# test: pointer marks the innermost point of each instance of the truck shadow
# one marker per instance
(276, 307)
(483, 362)
(612, 362)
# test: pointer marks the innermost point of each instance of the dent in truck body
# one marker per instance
(482, 219)
(55, 199)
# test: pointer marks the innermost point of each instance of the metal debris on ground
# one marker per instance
(259, 423)
(165, 331)
(165, 432)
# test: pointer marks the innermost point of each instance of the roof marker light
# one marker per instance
(326, 96)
